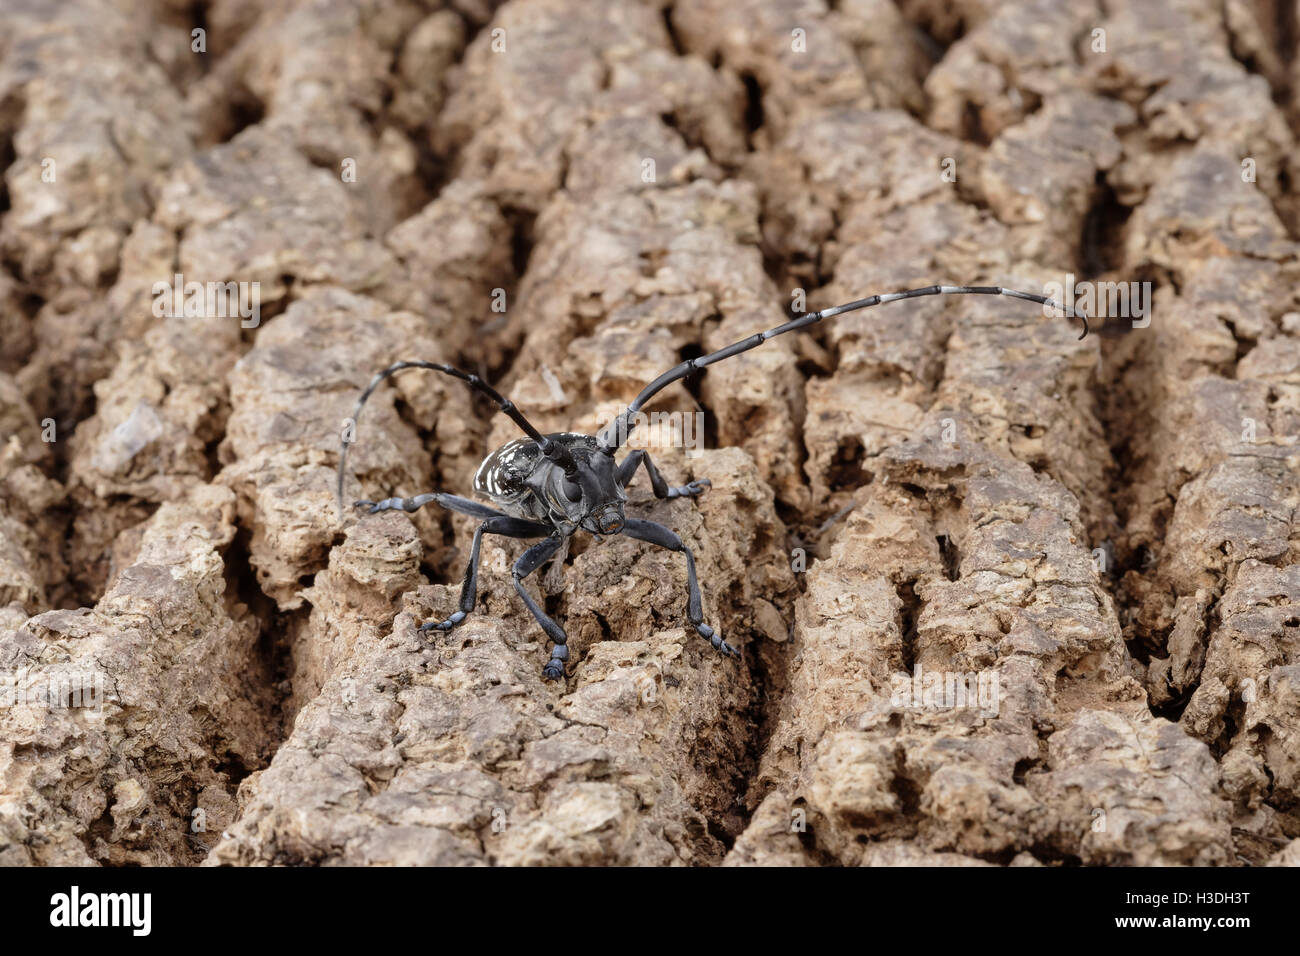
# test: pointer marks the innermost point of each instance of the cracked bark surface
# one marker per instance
(1104, 531)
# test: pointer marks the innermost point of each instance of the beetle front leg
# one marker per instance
(661, 488)
(529, 562)
(507, 526)
(667, 538)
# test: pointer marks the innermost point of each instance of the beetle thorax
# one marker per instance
(521, 481)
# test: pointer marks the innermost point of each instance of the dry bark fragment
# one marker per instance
(317, 72)
(108, 118)
(181, 703)
(805, 56)
(860, 759)
(31, 563)
(526, 85)
(291, 398)
(254, 210)
(1022, 57)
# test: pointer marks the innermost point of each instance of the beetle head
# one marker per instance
(591, 497)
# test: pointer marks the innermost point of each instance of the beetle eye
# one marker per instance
(572, 490)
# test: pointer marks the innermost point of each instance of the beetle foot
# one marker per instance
(714, 638)
(554, 668)
(693, 488)
(447, 625)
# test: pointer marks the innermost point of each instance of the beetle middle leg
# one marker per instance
(503, 525)
(667, 538)
(465, 506)
(627, 471)
(528, 562)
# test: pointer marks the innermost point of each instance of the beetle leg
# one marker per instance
(529, 562)
(661, 488)
(511, 528)
(451, 502)
(667, 538)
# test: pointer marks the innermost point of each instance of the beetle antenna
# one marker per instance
(615, 434)
(552, 450)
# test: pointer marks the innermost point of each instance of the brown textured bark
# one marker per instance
(1104, 533)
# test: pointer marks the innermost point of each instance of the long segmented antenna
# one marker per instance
(555, 452)
(615, 434)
